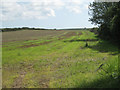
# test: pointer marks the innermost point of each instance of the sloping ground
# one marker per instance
(62, 62)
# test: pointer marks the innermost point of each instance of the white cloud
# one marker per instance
(77, 2)
(37, 9)
(77, 6)
(75, 9)
(10, 10)
(32, 9)
(44, 13)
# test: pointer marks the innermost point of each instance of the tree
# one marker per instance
(107, 16)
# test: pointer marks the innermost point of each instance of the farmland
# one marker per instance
(58, 59)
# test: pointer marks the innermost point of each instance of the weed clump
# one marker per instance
(86, 45)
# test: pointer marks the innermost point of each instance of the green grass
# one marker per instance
(65, 63)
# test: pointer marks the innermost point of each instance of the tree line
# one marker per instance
(107, 16)
(22, 28)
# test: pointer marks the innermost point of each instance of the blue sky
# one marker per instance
(45, 13)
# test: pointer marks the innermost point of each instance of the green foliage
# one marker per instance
(107, 17)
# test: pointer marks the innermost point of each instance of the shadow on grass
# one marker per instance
(102, 45)
(105, 82)
(105, 46)
(77, 40)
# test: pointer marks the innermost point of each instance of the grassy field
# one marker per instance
(58, 59)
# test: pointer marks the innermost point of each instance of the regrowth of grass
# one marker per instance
(62, 61)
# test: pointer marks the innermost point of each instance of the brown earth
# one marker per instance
(34, 35)
(80, 33)
(18, 81)
(33, 45)
(67, 35)
(28, 35)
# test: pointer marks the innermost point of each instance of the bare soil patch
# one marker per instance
(28, 35)
(80, 33)
(18, 81)
(33, 45)
(67, 35)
